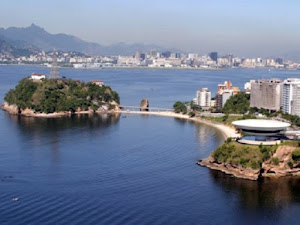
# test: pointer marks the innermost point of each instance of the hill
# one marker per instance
(39, 37)
(61, 95)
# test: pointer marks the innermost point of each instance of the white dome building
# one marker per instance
(266, 132)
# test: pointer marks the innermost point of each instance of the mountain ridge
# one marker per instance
(39, 37)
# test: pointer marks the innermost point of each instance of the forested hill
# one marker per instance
(56, 95)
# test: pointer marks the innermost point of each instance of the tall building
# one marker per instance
(266, 94)
(226, 95)
(214, 56)
(291, 96)
(178, 55)
(203, 97)
(166, 54)
(225, 91)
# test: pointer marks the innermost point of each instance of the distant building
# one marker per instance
(247, 87)
(97, 82)
(266, 94)
(226, 86)
(214, 56)
(225, 96)
(219, 101)
(178, 55)
(212, 103)
(291, 96)
(225, 91)
(235, 90)
(203, 97)
(38, 76)
(166, 54)
(142, 56)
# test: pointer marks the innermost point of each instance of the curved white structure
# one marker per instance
(265, 132)
(261, 127)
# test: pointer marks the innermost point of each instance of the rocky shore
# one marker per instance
(15, 110)
(239, 172)
(282, 168)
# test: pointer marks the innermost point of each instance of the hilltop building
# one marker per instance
(203, 97)
(97, 82)
(38, 76)
(266, 94)
(291, 96)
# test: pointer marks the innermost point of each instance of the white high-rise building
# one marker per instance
(291, 96)
(203, 97)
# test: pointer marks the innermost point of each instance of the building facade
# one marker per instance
(291, 96)
(203, 97)
(266, 94)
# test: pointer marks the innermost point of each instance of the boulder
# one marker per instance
(144, 106)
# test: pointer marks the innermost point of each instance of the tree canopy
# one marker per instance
(180, 107)
(238, 104)
(50, 95)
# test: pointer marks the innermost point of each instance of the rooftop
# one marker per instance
(261, 125)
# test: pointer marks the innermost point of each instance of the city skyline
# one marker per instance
(247, 28)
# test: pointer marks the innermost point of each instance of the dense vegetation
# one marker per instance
(180, 107)
(50, 95)
(246, 156)
(237, 104)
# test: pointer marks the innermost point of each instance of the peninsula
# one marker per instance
(59, 97)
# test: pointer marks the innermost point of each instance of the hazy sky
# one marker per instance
(252, 27)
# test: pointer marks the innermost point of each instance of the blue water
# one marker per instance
(130, 169)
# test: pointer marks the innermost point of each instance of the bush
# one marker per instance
(275, 161)
(179, 107)
(296, 155)
(255, 165)
(228, 140)
(192, 114)
(291, 164)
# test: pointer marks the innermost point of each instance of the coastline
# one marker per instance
(226, 130)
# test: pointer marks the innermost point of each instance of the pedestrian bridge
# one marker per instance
(150, 109)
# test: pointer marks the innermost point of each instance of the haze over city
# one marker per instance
(245, 28)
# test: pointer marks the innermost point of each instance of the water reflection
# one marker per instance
(31, 125)
(262, 194)
(49, 133)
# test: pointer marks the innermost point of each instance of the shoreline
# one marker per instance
(225, 130)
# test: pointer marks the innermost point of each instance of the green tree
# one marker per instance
(180, 107)
(238, 103)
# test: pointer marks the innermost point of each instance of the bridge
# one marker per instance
(150, 109)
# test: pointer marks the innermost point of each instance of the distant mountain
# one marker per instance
(15, 48)
(39, 37)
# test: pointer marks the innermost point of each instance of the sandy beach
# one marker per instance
(226, 130)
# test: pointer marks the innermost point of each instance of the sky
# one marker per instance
(244, 28)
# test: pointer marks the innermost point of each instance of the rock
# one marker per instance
(12, 109)
(227, 168)
(144, 106)
(284, 155)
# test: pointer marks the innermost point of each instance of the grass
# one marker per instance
(246, 156)
(228, 119)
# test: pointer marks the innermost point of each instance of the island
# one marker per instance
(59, 97)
